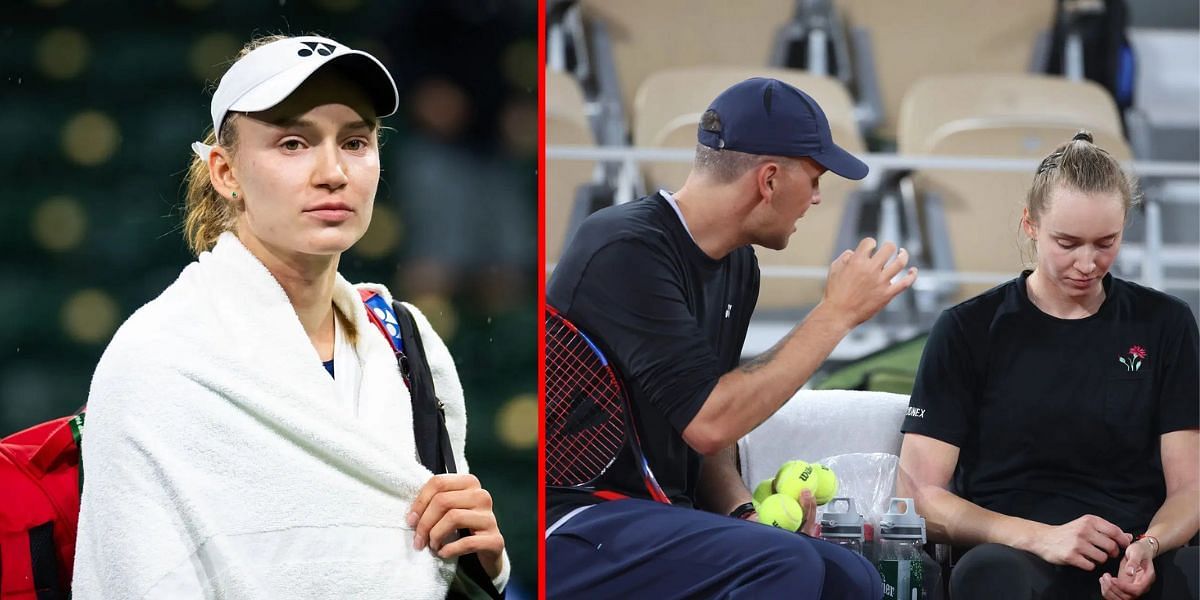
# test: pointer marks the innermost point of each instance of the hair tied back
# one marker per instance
(1084, 136)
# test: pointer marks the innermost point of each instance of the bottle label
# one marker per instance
(903, 579)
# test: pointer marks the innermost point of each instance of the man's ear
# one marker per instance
(766, 176)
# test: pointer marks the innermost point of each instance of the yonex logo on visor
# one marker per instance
(318, 47)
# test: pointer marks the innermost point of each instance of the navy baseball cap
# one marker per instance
(768, 116)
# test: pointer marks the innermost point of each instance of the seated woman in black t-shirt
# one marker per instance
(1053, 428)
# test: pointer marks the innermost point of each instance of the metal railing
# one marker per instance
(1170, 183)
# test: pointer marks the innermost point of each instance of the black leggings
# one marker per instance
(1001, 572)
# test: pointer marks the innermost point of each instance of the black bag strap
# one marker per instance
(43, 556)
(430, 434)
(429, 415)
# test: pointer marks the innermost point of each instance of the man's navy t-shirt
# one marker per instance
(670, 318)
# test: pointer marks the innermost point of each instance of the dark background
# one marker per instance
(99, 101)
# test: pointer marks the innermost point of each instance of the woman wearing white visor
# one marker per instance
(250, 433)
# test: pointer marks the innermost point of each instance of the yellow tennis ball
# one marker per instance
(795, 477)
(782, 511)
(791, 464)
(827, 484)
(764, 488)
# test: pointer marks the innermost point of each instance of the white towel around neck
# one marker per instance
(219, 464)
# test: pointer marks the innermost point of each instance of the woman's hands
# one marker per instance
(1090, 541)
(447, 503)
(1083, 543)
(1135, 576)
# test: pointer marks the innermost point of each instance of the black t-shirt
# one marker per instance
(670, 318)
(1059, 418)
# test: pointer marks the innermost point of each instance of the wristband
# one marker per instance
(743, 511)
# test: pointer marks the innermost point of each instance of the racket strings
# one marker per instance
(579, 386)
(582, 455)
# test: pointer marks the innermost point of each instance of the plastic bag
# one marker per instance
(869, 478)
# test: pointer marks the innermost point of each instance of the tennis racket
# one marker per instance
(588, 420)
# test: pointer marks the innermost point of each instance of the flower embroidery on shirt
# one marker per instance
(1134, 361)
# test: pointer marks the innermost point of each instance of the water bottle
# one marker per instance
(908, 572)
(844, 528)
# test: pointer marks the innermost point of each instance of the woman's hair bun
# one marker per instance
(1083, 135)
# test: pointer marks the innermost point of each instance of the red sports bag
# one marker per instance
(40, 481)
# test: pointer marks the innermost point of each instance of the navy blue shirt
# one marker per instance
(670, 318)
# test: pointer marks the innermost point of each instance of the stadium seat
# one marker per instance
(971, 218)
(647, 37)
(910, 39)
(566, 124)
(937, 104)
(666, 113)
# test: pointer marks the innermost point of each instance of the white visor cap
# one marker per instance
(269, 74)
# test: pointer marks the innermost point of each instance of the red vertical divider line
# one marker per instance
(541, 299)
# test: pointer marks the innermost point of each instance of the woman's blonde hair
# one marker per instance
(1082, 166)
(206, 214)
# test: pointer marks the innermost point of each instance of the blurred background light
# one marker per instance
(210, 54)
(90, 316)
(517, 422)
(382, 237)
(63, 53)
(90, 138)
(441, 314)
(59, 223)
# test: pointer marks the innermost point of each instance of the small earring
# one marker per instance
(235, 194)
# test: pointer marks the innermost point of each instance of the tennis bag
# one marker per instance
(41, 477)
(40, 480)
(1108, 57)
(890, 369)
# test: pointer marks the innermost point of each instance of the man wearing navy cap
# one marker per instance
(668, 284)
